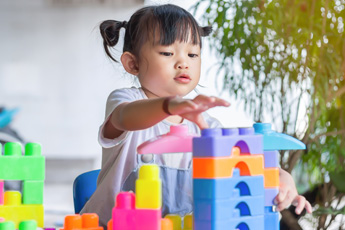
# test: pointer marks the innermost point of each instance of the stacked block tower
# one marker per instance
(236, 177)
(30, 169)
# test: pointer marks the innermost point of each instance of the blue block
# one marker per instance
(270, 194)
(271, 159)
(271, 219)
(219, 142)
(219, 210)
(243, 223)
(222, 188)
(277, 141)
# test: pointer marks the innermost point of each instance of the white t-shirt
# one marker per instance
(119, 155)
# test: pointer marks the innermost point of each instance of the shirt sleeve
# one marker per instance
(212, 122)
(115, 99)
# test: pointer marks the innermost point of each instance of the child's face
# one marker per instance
(169, 70)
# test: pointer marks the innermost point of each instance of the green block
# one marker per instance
(32, 192)
(28, 225)
(7, 225)
(14, 166)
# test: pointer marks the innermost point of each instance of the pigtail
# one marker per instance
(110, 31)
(205, 31)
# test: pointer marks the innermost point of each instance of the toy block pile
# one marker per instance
(30, 169)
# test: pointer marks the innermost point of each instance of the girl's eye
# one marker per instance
(192, 55)
(166, 54)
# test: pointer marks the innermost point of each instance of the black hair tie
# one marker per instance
(124, 24)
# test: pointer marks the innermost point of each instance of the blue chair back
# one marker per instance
(83, 187)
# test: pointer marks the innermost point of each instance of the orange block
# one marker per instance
(166, 224)
(87, 221)
(222, 167)
(271, 177)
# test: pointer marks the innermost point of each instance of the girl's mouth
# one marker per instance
(183, 78)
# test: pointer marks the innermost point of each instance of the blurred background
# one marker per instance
(265, 57)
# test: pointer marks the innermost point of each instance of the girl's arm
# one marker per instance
(145, 113)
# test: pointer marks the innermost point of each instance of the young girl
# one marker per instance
(162, 47)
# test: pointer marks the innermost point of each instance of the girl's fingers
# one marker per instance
(299, 202)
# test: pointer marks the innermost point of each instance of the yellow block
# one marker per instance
(188, 222)
(148, 188)
(176, 220)
(18, 213)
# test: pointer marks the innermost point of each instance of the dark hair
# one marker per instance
(172, 22)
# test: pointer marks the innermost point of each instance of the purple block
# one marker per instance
(271, 159)
(219, 142)
(270, 194)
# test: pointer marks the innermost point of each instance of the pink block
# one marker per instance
(1, 192)
(178, 140)
(126, 217)
(2, 219)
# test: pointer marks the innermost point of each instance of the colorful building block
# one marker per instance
(126, 217)
(15, 211)
(271, 219)
(270, 195)
(180, 223)
(222, 167)
(276, 141)
(14, 166)
(148, 188)
(271, 159)
(1, 190)
(87, 221)
(271, 177)
(219, 142)
(221, 188)
(29, 169)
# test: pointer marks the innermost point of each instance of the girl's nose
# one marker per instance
(182, 65)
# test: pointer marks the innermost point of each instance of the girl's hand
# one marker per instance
(288, 195)
(192, 109)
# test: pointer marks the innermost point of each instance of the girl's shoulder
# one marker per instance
(127, 93)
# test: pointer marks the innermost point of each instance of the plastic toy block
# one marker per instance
(220, 188)
(188, 222)
(166, 224)
(126, 217)
(7, 225)
(271, 219)
(33, 192)
(220, 210)
(271, 159)
(14, 166)
(271, 177)
(86, 221)
(1, 190)
(176, 221)
(270, 194)
(219, 142)
(6, 116)
(28, 225)
(222, 167)
(277, 141)
(242, 223)
(177, 140)
(2, 219)
(110, 224)
(15, 211)
(148, 188)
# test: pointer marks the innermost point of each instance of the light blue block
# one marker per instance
(277, 141)
(270, 194)
(219, 142)
(271, 159)
(221, 188)
(224, 209)
(271, 219)
(242, 223)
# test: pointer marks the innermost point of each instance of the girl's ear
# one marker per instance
(129, 62)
